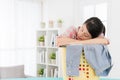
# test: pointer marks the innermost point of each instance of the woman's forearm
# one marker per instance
(66, 41)
(92, 41)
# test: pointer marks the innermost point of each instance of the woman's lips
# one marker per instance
(80, 39)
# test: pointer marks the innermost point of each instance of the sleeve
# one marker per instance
(70, 32)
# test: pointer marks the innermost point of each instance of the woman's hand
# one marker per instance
(63, 40)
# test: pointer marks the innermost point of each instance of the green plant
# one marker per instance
(41, 71)
(53, 55)
(41, 39)
(60, 21)
(42, 23)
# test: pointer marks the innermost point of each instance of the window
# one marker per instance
(97, 10)
(19, 21)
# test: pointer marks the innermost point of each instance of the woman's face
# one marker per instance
(83, 33)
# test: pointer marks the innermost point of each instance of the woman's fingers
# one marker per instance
(61, 41)
(58, 41)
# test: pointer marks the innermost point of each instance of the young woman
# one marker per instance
(91, 32)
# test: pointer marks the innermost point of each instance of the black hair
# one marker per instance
(95, 26)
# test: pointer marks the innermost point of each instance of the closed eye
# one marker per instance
(86, 35)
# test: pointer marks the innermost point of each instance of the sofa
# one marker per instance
(12, 72)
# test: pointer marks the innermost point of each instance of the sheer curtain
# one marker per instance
(19, 20)
(7, 33)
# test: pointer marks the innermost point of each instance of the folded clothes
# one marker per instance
(97, 56)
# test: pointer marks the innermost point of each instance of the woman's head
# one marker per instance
(91, 28)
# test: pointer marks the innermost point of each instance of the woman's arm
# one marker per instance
(66, 41)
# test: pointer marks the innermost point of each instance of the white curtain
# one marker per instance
(19, 20)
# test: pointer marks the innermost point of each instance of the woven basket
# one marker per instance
(86, 72)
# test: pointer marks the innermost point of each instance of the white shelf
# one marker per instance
(48, 29)
(53, 65)
(44, 51)
(47, 47)
(41, 63)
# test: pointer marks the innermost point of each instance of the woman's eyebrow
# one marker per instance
(78, 27)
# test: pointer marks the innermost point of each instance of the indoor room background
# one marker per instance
(20, 19)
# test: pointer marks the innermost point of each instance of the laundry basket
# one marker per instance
(86, 72)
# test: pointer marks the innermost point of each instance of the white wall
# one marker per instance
(113, 34)
(63, 9)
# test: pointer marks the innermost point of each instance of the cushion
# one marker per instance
(12, 72)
